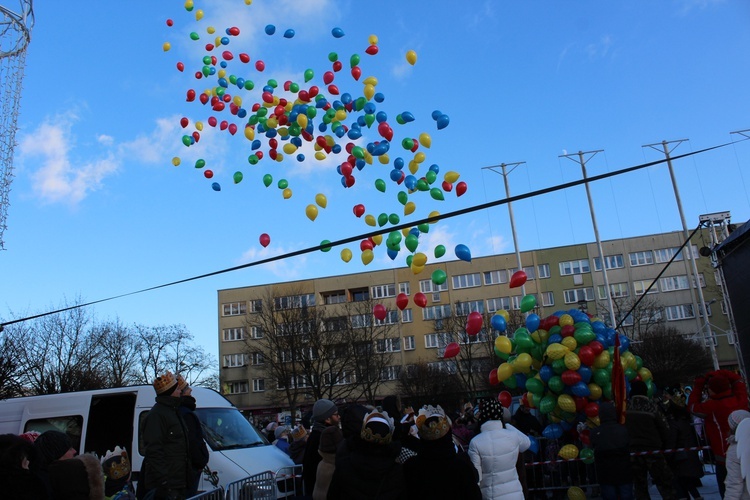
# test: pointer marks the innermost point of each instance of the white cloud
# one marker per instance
(104, 139)
(600, 49)
(279, 268)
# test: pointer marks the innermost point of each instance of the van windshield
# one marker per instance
(227, 429)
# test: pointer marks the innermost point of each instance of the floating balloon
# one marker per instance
(420, 299)
(402, 300)
(474, 323)
(411, 57)
(505, 399)
(311, 211)
(321, 200)
(439, 251)
(463, 252)
(518, 279)
(451, 350)
(438, 276)
(264, 240)
(379, 312)
(346, 255)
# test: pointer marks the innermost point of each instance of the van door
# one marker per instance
(110, 423)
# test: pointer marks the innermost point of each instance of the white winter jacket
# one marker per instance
(736, 489)
(494, 453)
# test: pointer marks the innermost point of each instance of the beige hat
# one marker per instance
(164, 383)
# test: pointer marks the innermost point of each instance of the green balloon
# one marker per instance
(267, 180)
(394, 237)
(501, 355)
(309, 74)
(194, 36)
(253, 160)
(639, 361)
(263, 112)
(399, 118)
(359, 103)
(422, 185)
(273, 83)
(237, 177)
(333, 57)
(630, 374)
(409, 258)
(295, 129)
(233, 79)
(535, 386)
(283, 184)
(431, 176)
(511, 382)
(294, 87)
(187, 140)
(558, 366)
(583, 336)
(379, 184)
(249, 85)
(358, 152)
(601, 377)
(394, 219)
(439, 251)
(354, 60)
(407, 143)
(326, 246)
(528, 303)
(547, 404)
(382, 219)
(424, 227)
(200, 163)
(587, 456)
(555, 384)
(524, 342)
(607, 391)
(311, 112)
(437, 194)
(220, 91)
(369, 120)
(402, 197)
(439, 276)
(412, 242)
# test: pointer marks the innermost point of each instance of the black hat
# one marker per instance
(52, 445)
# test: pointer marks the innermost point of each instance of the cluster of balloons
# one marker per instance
(563, 366)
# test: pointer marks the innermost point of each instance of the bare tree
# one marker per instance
(169, 347)
(637, 322)
(424, 383)
(671, 357)
(10, 375)
(120, 351)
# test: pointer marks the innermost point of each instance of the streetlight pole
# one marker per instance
(707, 334)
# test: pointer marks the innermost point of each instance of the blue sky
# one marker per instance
(98, 209)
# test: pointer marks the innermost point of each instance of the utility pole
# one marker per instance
(582, 161)
(505, 174)
(707, 334)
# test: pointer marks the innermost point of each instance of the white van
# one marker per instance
(99, 420)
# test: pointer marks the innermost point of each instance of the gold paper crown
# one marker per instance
(163, 383)
(432, 423)
(115, 463)
(298, 433)
(367, 433)
(181, 382)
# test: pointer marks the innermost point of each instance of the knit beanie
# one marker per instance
(323, 409)
(490, 409)
(280, 431)
(52, 445)
(736, 417)
(719, 384)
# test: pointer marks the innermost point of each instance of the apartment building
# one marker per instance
(561, 278)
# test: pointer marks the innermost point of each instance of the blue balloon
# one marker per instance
(354, 133)
(289, 33)
(463, 252)
(225, 40)
(585, 373)
(410, 182)
(381, 116)
(545, 373)
(270, 29)
(216, 186)
(407, 117)
(398, 163)
(370, 108)
(346, 98)
(580, 389)
(336, 149)
(534, 446)
(624, 343)
(532, 322)
(553, 431)
(443, 122)
(395, 175)
(381, 148)
(555, 338)
(435, 168)
(598, 327)
(337, 32)
(255, 145)
(392, 253)
(242, 113)
(436, 114)
(521, 381)
(300, 157)
(378, 97)
(223, 64)
(498, 323)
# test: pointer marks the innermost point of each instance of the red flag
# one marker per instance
(619, 388)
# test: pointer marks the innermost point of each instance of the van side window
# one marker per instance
(70, 425)
(141, 421)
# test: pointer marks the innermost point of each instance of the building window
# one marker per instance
(724, 308)
(576, 294)
(617, 290)
(391, 318)
(683, 311)
(443, 367)
(515, 302)
(700, 280)
(497, 304)
(256, 306)
(343, 378)
(383, 291)
(360, 294)
(409, 343)
(428, 286)
(611, 261)
(436, 312)
(548, 299)
(240, 387)
(235, 360)
(574, 267)
(259, 384)
(464, 308)
(641, 258)
(361, 320)
(232, 334)
(234, 309)
(672, 283)
(256, 358)
(543, 271)
(437, 340)
(530, 272)
(337, 297)
(390, 372)
(404, 288)
(708, 310)
(495, 277)
(466, 281)
(389, 345)
(336, 324)
(295, 301)
(406, 316)
(640, 287)
(717, 277)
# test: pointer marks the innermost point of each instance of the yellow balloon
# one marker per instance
(630, 361)
(370, 220)
(413, 167)
(189, 5)
(346, 255)
(217, 41)
(302, 120)
(432, 214)
(288, 148)
(569, 451)
(419, 157)
(566, 403)
(166, 46)
(377, 239)
(411, 57)
(425, 140)
(211, 30)
(286, 193)
(367, 256)
(503, 344)
(176, 161)
(311, 211)
(198, 15)
(569, 342)
(566, 319)
(320, 156)
(368, 157)
(199, 126)
(384, 159)
(273, 122)
(321, 200)
(370, 80)
(602, 360)
(237, 100)
(405, 231)
(451, 176)
(523, 363)
(645, 374)
(504, 372)
(557, 351)
(409, 208)
(248, 2)
(596, 391)
(340, 115)
(504, 314)
(419, 259)
(572, 362)
(372, 39)
(249, 133)
(416, 269)
(280, 158)
(576, 493)
(369, 91)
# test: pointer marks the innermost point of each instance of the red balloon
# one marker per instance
(447, 186)
(264, 240)
(402, 300)
(350, 181)
(570, 377)
(260, 65)
(567, 330)
(505, 399)
(366, 245)
(227, 55)
(379, 312)
(586, 355)
(552, 321)
(518, 279)
(474, 323)
(420, 299)
(596, 346)
(223, 125)
(493, 377)
(170, 22)
(184, 122)
(208, 174)
(337, 66)
(234, 31)
(333, 89)
(359, 210)
(451, 350)
(592, 410)
(461, 188)
(196, 135)
(580, 402)
(232, 128)
(244, 58)
(585, 436)
(181, 67)
(372, 50)
(356, 72)
(328, 77)
(190, 95)
(212, 121)
(385, 130)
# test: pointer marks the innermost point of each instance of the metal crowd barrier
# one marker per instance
(289, 482)
(215, 494)
(260, 486)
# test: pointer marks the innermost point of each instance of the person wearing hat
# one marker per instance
(726, 393)
(167, 459)
(298, 444)
(19, 482)
(325, 413)
(736, 486)
(281, 435)
(494, 452)
(196, 440)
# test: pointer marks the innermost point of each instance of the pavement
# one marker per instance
(709, 490)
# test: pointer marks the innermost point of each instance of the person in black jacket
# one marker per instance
(324, 414)
(196, 441)
(167, 462)
(611, 444)
(18, 481)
